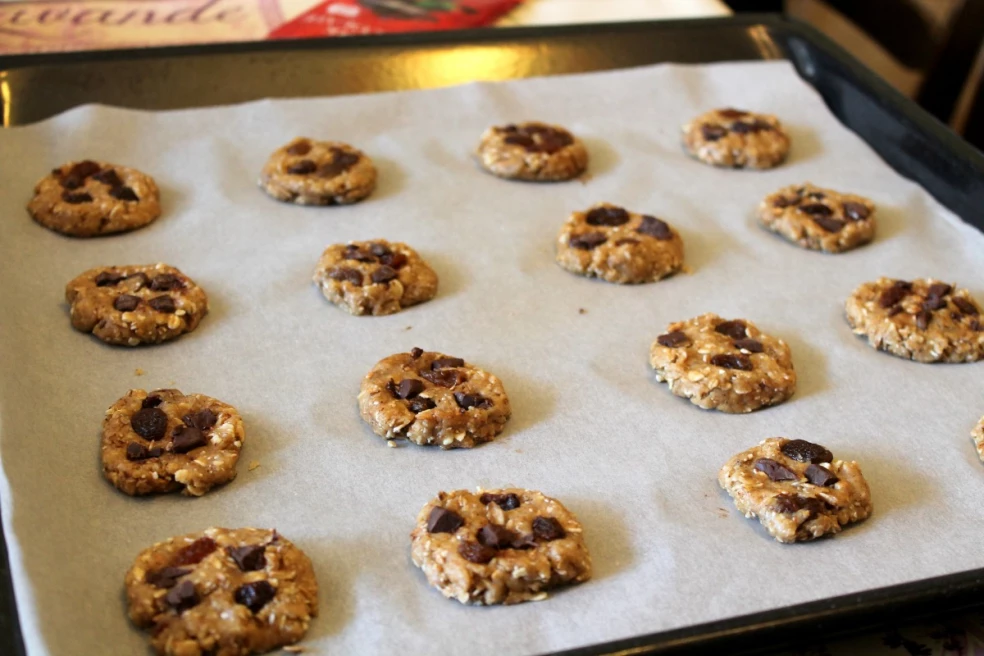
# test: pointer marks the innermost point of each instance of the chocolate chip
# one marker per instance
(444, 363)
(420, 404)
(108, 177)
(442, 520)
(855, 211)
(965, 306)
(76, 197)
(149, 423)
(182, 596)
(300, 147)
(123, 193)
(749, 344)
(195, 552)
(416, 352)
(829, 224)
(255, 595)
(108, 279)
(249, 558)
(186, 438)
(673, 339)
(607, 216)
(151, 401)
(409, 388)
(76, 175)
(936, 296)
(741, 127)
(495, 536)
(712, 132)
(734, 329)
(166, 577)
(137, 451)
(357, 254)
(303, 167)
(379, 250)
(655, 228)
(505, 501)
(547, 529)
(816, 210)
(895, 293)
(728, 112)
(789, 503)
(126, 302)
(444, 377)
(804, 451)
(775, 470)
(820, 476)
(587, 241)
(474, 552)
(346, 274)
(782, 201)
(523, 140)
(393, 260)
(163, 304)
(164, 282)
(383, 274)
(732, 362)
(976, 325)
(341, 161)
(466, 401)
(203, 420)
(923, 319)
(551, 141)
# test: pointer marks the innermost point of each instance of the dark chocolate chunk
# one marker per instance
(820, 476)
(393, 260)
(416, 352)
(186, 438)
(829, 224)
(782, 201)
(607, 216)
(420, 404)
(749, 344)
(166, 577)
(442, 520)
(791, 503)
(249, 558)
(149, 423)
(165, 282)
(742, 127)
(816, 210)
(674, 339)
(547, 529)
(655, 228)
(301, 147)
(775, 470)
(587, 241)
(495, 536)
(255, 595)
(965, 306)
(357, 254)
(303, 167)
(713, 132)
(346, 274)
(182, 596)
(524, 140)
(341, 161)
(895, 293)
(734, 329)
(474, 552)
(195, 552)
(409, 388)
(108, 279)
(936, 296)
(137, 451)
(729, 112)
(126, 302)
(551, 141)
(123, 193)
(152, 401)
(383, 274)
(976, 325)
(379, 250)
(804, 451)
(163, 304)
(203, 420)
(923, 319)
(444, 377)
(855, 211)
(445, 363)
(108, 177)
(76, 175)
(76, 197)
(741, 362)
(508, 501)
(466, 401)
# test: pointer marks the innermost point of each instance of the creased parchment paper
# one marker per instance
(590, 426)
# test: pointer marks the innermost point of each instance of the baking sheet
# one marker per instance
(590, 426)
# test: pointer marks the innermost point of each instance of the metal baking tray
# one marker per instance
(34, 87)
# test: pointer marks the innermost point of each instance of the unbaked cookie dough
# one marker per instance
(726, 365)
(819, 219)
(978, 435)
(924, 320)
(433, 399)
(797, 489)
(616, 245)
(498, 546)
(225, 592)
(89, 199)
(308, 172)
(166, 441)
(136, 304)
(374, 277)
(736, 138)
(532, 151)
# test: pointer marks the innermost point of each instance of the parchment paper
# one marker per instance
(637, 465)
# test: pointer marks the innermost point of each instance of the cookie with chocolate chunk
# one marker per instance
(309, 172)
(498, 546)
(819, 219)
(721, 364)
(737, 139)
(797, 489)
(532, 151)
(374, 277)
(924, 319)
(616, 245)
(229, 592)
(89, 199)
(433, 399)
(166, 441)
(135, 304)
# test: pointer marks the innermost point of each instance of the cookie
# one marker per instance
(978, 435)
(619, 246)
(498, 546)
(227, 592)
(737, 139)
(924, 320)
(308, 172)
(374, 277)
(726, 365)
(433, 399)
(166, 441)
(797, 489)
(89, 199)
(135, 304)
(819, 219)
(532, 151)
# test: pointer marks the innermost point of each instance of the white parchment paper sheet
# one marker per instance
(637, 465)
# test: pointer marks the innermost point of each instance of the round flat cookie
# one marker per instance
(498, 546)
(89, 199)
(374, 277)
(736, 139)
(135, 304)
(978, 435)
(819, 219)
(308, 172)
(532, 151)
(924, 320)
(726, 365)
(227, 592)
(797, 489)
(613, 244)
(166, 441)
(433, 399)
